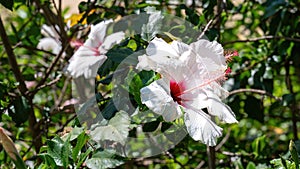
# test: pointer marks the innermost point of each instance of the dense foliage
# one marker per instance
(41, 115)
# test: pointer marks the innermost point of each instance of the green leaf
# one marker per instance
(294, 153)
(55, 150)
(48, 160)
(151, 126)
(109, 111)
(287, 99)
(20, 110)
(83, 156)
(103, 160)
(65, 153)
(251, 165)
(283, 161)
(259, 145)
(7, 4)
(81, 140)
(116, 130)
(273, 8)
(118, 55)
(76, 131)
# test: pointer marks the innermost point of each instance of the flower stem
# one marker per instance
(211, 152)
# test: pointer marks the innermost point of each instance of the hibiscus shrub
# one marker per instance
(150, 84)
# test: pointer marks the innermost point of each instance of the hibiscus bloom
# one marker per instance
(191, 77)
(51, 41)
(91, 54)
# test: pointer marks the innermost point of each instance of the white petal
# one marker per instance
(85, 65)
(208, 49)
(158, 47)
(219, 109)
(201, 128)
(157, 98)
(111, 40)
(211, 55)
(49, 44)
(98, 31)
(145, 63)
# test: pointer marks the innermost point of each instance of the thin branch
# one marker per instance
(49, 70)
(205, 29)
(63, 91)
(47, 84)
(258, 91)
(289, 86)
(199, 166)
(224, 140)
(34, 49)
(208, 25)
(12, 60)
(211, 152)
(262, 38)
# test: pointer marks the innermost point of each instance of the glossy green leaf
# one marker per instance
(150, 126)
(118, 55)
(294, 153)
(65, 153)
(81, 141)
(258, 146)
(251, 165)
(19, 110)
(48, 161)
(116, 130)
(55, 150)
(103, 160)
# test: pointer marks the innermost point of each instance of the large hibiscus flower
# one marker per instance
(90, 55)
(191, 77)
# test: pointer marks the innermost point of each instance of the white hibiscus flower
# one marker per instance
(191, 77)
(51, 41)
(90, 55)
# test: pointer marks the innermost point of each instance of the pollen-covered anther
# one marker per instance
(228, 54)
(227, 71)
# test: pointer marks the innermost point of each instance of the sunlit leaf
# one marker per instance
(102, 160)
(116, 130)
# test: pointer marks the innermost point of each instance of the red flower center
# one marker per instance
(176, 91)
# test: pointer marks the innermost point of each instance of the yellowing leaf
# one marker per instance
(75, 18)
(8, 145)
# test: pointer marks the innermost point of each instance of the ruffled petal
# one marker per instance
(158, 47)
(157, 98)
(211, 55)
(219, 109)
(98, 31)
(49, 44)
(201, 128)
(85, 65)
(111, 40)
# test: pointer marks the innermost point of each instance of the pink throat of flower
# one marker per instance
(77, 44)
(176, 90)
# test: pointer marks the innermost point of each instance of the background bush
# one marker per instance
(36, 102)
